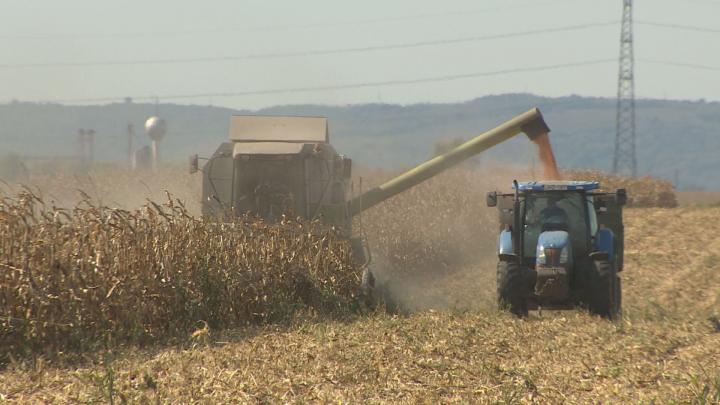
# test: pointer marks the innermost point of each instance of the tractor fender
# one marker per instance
(605, 242)
(505, 246)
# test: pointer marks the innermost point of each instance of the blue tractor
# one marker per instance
(561, 246)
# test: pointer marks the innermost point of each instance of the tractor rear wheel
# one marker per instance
(604, 294)
(618, 296)
(512, 288)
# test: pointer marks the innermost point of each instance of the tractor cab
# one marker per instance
(553, 237)
(556, 220)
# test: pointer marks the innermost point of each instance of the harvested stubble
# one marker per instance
(665, 350)
(74, 279)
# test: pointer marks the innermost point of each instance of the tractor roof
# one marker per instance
(558, 185)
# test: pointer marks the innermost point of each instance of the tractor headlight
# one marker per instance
(541, 255)
(564, 255)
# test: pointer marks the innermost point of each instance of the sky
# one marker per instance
(246, 54)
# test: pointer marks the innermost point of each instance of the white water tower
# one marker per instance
(155, 129)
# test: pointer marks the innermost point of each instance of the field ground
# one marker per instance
(699, 198)
(665, 350)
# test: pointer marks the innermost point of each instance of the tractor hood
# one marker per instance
(553, 239)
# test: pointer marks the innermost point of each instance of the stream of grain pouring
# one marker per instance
(547, 157)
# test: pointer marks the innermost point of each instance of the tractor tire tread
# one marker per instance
(512, 288)
(604, 295)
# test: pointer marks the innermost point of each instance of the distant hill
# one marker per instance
(675, 138)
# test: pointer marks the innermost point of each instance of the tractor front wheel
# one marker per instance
(512, 288)
(604, 295)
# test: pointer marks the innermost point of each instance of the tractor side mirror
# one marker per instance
(491, 199)
(347, 167)
(600, 206)
(194, 166)
(621, 196)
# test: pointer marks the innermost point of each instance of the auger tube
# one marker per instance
(530, 122)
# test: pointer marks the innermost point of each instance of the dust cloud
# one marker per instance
(436, 243)
(110, 186)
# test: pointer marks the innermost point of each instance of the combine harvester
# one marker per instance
(273, 166)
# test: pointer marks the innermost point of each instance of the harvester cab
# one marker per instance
(560, 246)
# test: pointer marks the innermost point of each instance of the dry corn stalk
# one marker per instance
(72, 278)
(642, 191)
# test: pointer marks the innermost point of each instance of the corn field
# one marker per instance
(75, 279)
(643, 192)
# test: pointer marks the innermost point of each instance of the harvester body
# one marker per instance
(273, 166)
(561, 245)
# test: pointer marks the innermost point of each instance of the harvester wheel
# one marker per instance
(367, 282)
(374, 293)
(512, 288)
(367, 289)
(604, 295)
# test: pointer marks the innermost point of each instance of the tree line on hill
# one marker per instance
(676, 140)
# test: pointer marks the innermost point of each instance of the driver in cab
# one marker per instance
(553, 217)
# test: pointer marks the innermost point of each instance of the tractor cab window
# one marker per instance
(552, 212)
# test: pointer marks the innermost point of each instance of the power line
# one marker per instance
(342, 86)
(294, 54)
(706, 1)
(373, 84)
(366, 21)
(678, 26)
(679, 64)
(278, 55)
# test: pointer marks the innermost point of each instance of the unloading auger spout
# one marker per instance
(531, 123)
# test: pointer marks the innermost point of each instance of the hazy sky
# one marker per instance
(85, 31)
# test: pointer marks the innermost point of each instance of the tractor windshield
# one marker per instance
(555, 211)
